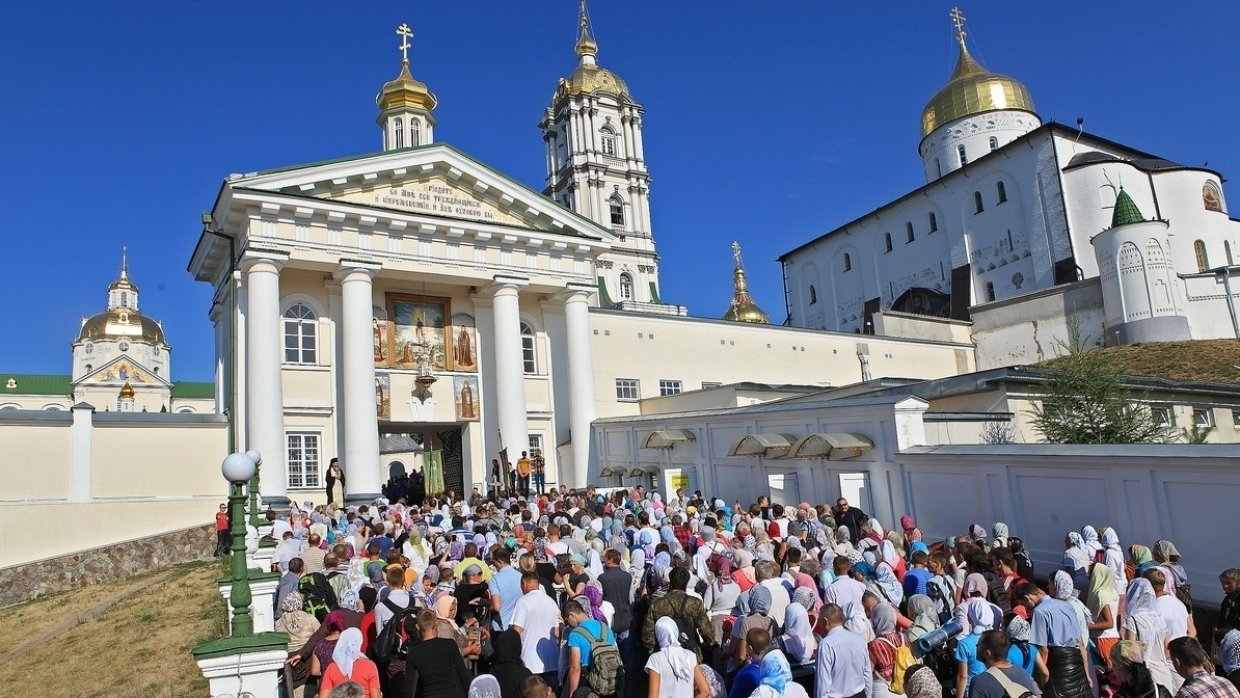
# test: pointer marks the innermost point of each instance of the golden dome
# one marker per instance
(973, 90)
(122, 323)
(127, 391)
(591, 78)
(406, 91)
(743, 308)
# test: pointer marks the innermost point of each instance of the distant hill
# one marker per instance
(1215, 360)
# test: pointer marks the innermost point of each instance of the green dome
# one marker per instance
(1126, 211)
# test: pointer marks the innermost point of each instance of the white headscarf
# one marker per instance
(681, 660)
(595, 566)
(348, 649)
(798, 634)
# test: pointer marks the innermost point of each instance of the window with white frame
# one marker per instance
(669, 387)
(1164, 415)
(609, 144)
(400, 134)
(536, 443)
(1203, 417)
(303, 458)
(626, 286)
(711, 384)
(616, 207)
(529, 355)
(300, 335)
(627, 389)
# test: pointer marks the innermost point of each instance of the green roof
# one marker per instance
(35, 384)
(1126, 211)
(187, 390)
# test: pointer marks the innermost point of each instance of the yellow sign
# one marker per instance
(680, 481)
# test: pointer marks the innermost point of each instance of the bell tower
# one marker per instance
(596, 167)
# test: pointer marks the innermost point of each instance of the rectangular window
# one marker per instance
(303, 459)
(1203, 417)
(710, 384)
(1163, 416)
(299, 342)
(669, 387)
(609, 145)
(627, 389)
(1235, 418)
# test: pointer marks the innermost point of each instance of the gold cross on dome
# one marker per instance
(958, 22)
(404, 32)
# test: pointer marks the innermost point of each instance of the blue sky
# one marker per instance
(766, 122)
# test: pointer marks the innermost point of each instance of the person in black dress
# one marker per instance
(434, 667)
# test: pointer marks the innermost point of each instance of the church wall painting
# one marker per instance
(464, 341)
(383, 395)
(465, 397)
(383, 351)
(419, 332)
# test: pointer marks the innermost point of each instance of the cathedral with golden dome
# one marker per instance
(121, 363)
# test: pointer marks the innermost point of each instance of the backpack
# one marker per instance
(391, 643)
(903, 660)
(688, 632)
(1010, 687)
(937, 595)
(603, 674)
(996, 594)
(319, 597)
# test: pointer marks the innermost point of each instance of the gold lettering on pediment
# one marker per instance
(436, 197)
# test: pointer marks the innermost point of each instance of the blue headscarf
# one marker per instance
(775, 671)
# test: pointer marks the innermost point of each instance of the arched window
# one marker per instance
(1001, 190)
(994, 144)
(908, 233)
(886, 242)
(964, 159)
(990, 291)
(89, 368)
(977, 202)
(847, 262)
(529, 357)
(616, 205)
(300, 335)
(813, 294)
(1203, 261)
(415, 133)
(400, 134)
(934, 222)
(626, 286)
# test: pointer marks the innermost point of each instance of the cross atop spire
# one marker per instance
(958, 22)
(587, 47)
(124, 263)
(736, 255)
(405, 33)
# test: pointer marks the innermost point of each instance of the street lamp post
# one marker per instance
(238, 469)
(258, 461)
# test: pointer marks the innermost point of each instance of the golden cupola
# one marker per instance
(405, 104)
(743, 307)
(127, 391)
(589, 77)
(406, 91)
(972, 90)
(122, 320)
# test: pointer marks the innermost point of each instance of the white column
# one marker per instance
(217, 316)
(580, 378)
(80, 435)
(263, 388)
(509, 369)
(357, 366)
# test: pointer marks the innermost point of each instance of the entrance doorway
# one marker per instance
(405, 446)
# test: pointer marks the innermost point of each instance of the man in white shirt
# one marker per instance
(1179, 620)
(537, 619)
(845, 591)
(766, 573)
(397, 596)
(843, 669)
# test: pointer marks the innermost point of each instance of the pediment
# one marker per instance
(119, 370)
(435, 180)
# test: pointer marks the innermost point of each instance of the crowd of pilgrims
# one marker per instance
(630, 594)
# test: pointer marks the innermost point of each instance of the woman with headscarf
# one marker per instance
(925, 619)
(593, 595)
(872, 535)
(887, 640)
(843, 541)
(1077, 558)
(1136, 681)
(1142, 560)
(1229, 656)
(912, 534)
(982, 616)
(977, 535)
(1168, 557)
(417, 551)
(1143, 623)
(321, 653)
(1063, 589)
(1113, 557)
(1020, 652)
(349, 664)
(798, 638)
(921, 682)
(723, 593)
(999, 535)
(673, 669)
(759, 601)
(1089, 534)
(1103, 605)
(445, 612)
(776, 679)
(506, 665)
(886, 584)
(744, 572)
(295, 622)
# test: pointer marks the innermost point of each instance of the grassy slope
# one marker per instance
(139, 646)
(1201, 360)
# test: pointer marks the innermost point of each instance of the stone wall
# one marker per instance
(31, 580)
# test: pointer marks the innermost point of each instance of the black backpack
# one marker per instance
(996, 594)
(319, 597)
(392, 642)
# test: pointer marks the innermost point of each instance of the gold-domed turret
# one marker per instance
(743, 308)
(588, 76)
(127, 391)
(405, 90)
(972, 90)
(123, 283)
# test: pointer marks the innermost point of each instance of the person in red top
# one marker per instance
(682, 532)
(1004, 564)
(221, 530)
(349, 664)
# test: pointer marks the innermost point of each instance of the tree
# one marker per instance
(1086, 400)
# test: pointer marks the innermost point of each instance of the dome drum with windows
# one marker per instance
(122, 320)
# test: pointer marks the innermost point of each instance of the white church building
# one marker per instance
(1024, 229)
